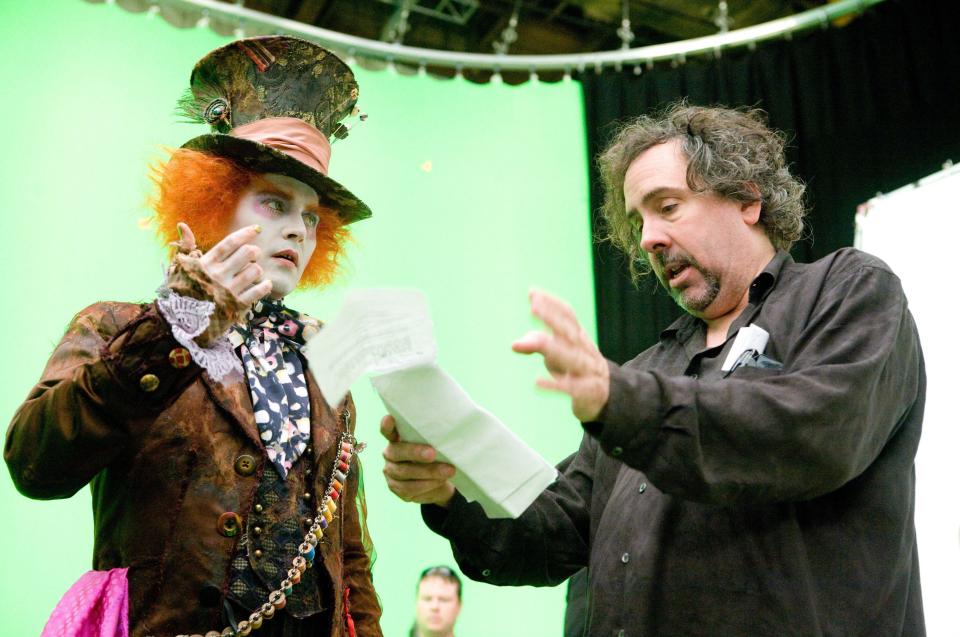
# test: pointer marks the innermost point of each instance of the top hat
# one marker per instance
(273, 103)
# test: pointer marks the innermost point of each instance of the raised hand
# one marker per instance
(227, 275)
(576, 366)
(412, 470)
(232, 263)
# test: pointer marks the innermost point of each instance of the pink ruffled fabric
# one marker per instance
(96, 606)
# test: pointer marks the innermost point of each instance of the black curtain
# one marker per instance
(868, 107)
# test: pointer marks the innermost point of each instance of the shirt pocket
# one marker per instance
(756, 373)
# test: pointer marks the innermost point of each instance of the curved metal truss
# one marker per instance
(240, 21)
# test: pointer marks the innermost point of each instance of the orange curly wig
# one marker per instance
(203, 191)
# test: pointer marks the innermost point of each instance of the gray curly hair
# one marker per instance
(731, 152)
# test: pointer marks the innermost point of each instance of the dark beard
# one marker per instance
(698, 303)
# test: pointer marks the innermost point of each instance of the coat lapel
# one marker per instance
(234, 398)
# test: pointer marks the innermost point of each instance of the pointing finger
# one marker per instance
(229, 244)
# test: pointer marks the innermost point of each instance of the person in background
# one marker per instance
(439, 599)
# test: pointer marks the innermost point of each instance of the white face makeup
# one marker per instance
(287, 210)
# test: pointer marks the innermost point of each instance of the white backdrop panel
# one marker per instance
(915, 230)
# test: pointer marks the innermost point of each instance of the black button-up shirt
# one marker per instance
(765, 502)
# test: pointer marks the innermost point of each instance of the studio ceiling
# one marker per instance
(543, 26)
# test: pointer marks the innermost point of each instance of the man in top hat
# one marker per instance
(226, 492)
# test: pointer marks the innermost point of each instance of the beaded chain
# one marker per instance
(307, 550)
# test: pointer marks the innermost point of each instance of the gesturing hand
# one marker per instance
(232, 263)
(576, 366)
(227, 275)
(412, 470)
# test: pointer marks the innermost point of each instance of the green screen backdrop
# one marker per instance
(478, 193)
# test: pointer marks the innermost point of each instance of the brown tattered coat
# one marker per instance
(161, 463)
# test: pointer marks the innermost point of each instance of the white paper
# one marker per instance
(376, 331)
(750, 337)
(494, 467)
(389, 333)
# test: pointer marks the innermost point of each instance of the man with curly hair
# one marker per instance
(718, 492)
(226, 492)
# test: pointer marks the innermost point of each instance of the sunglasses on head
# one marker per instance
(442, 571)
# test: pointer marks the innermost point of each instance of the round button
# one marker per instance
(258, 553)
(179, 357)
(228, 525)
(616, 451)
(149, 382)
(485, 572)
(642, 487)
(625, 558)
(258, 508)
(307, 496)
(245, 465)
(257, 530)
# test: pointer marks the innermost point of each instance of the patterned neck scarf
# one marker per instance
(269, 346)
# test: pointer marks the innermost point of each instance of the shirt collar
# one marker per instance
(684, 327)
(681, 329)
(767, 280)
